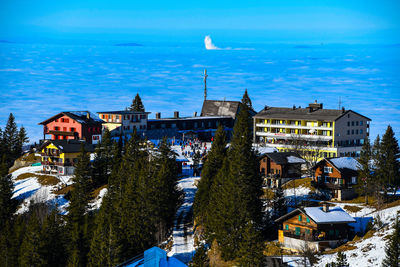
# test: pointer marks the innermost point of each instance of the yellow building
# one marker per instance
(60, 156)
(330, 132)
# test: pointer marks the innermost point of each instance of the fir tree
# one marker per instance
(246, 100)
(211, 166)
(22, 140)
(365, 170)
(236, 191)
(31, 251)
(7, 204)
(11, 140)
(200, 258)
(77, 220)
(392, 248)
(279, 207)
(103, 162)
(137, 104)
(251, 247)
(390, 165)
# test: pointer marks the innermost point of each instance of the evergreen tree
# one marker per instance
(22, 140)
(246, 100)
(392, 248)
(103, 162)
(365, 170)
(251, 247)
(236, 191)
(55, 240)
(77, 219)
(11, 140)
(279, 207)
(200, 258)
(390, 165)
(137, 104)
(7, 204)
(31, 251)
(211, 166)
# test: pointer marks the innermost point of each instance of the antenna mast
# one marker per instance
(205, 84)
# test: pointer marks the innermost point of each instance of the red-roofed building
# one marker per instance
(76, 125)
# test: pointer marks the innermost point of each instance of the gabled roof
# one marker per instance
(334, 215)
(303, 114)
(123, 112)
(344, 165)
(220, 108)
(283, 158)
(68, 146)
(79, 116)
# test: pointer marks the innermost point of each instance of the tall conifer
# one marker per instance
(365, 170)
(137, 104)
(392, 248)
(390, 165)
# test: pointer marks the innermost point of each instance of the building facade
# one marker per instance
(124, 122)
(73, 125)
(60, 156)
(330, 132)
(316, 227)
(337, 175)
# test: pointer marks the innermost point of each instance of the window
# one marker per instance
(308, 220)
(356, 123)
(354, 180)
(352, 131)
(348, 123)
(307, 231)
(327, 169)
(352, 123)
(356, 131)
(348, 132)
(64, 129)
(361, 123)
(361, 131)
(286, 227)
(300, 218)
(297, 231)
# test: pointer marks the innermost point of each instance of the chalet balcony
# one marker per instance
(327, 185)
(61, 133)
(64, 164)
(294, 126)
(311, 137)
(311, 237)
(50, 154)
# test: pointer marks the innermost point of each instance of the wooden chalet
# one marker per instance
(279, 167)
(337, 175)
(317, 227)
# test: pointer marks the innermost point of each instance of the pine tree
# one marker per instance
(31, 251)
(390, 165)
(211, 166)
(103, 162)
(137, 104)
(200, 258)
(392, 248)
(77, 220)
(246, 100)
(7, 204)
(55, 240)
(251, 247)
(11, 140)
(236, 191)
(279, 207)
(365, 170)
(22, 140)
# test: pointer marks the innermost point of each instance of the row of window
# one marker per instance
(71, 129)
(66, 120)
(142, 127)
(355, 131)
(349, 143)
(355, 123)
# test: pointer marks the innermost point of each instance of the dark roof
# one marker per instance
(281, 158)
(303, 113)
(69, 146)
(220, 108)
(79, 116)
(122, 112)
(347, 166)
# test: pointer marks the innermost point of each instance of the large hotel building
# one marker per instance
(331, 132)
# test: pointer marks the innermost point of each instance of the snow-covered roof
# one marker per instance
(265, 149)
(333, 215)
(293, 159)
(345, 163)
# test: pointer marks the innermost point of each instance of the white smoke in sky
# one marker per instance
(210, 46)
(208, 43)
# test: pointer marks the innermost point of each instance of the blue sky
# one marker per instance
(272, 21)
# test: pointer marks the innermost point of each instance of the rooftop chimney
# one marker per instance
(176, 114)
(266, 108)
(88, 115)
(158, 115)
(195, 114)
(343, 110)
(325, 207)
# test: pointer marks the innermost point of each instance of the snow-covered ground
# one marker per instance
(370, 251)
(183, 243)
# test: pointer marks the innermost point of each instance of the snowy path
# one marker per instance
(183, 246)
